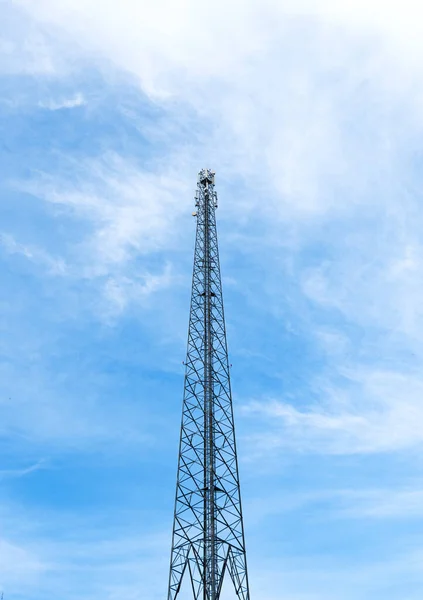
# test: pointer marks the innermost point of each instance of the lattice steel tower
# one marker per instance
(208, 533)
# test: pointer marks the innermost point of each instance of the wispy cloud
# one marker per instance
(320, 576)
(376, 412)
(54, 266)
(382, 504)
(119, 292)
(125, 213)
(24, 49)
(391, 503)
(33, 561)
(129, 210)
(65, 103)
(20, 568)
(17, 473)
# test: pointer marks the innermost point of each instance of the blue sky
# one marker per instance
(311, 115)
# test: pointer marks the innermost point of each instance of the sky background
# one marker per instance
(311, 114)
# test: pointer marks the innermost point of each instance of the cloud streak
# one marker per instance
(130, 211)
(73, 102)
(54, 266)
(377, 412)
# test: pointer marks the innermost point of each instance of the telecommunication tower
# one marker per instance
(208, 533)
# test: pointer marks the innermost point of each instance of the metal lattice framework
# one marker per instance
(208, 533)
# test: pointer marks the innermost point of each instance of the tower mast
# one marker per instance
(208, 533)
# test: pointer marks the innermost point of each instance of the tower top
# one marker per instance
(206, 176)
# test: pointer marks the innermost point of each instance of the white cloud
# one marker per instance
(19, 567)
(24, 48)
(396, 22)
(382, 504)
(130, 210)
(400, 23)
(30, 56)
(119, 292)
(376, 412)
(66, 103)
(374, 279)
(393, 503)
(64, 553)
(127, 213)
(321, 575)
(16, 473)
(54, 266)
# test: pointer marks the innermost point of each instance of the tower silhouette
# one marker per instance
(208, 533)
